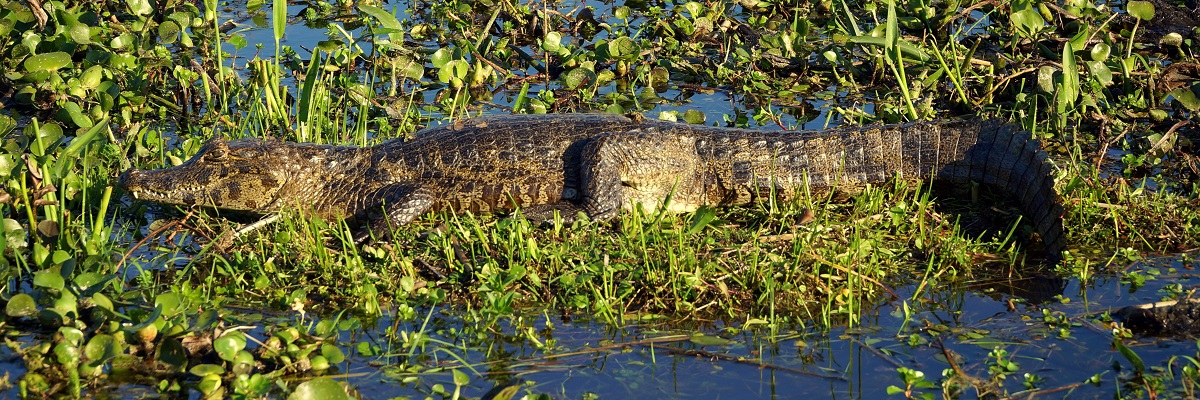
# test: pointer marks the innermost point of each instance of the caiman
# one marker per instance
(598, 164)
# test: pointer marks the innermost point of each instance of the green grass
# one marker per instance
(89, 109)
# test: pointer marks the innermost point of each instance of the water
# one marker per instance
(568, 358)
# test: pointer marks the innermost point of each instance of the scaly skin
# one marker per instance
(597, 164)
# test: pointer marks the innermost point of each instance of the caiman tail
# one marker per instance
(748, 163)
(997, 154)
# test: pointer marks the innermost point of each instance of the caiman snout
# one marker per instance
(126, 179)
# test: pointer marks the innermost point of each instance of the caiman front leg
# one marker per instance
(621, 169)
(600, 194)
(390, 207)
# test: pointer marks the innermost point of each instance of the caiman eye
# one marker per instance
(216, 155)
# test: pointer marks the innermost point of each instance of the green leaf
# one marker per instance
(702, 217)
(1143, 10)
(578, 77)
(441, 57)
(21, 305)
(49, 279)
(172, 353)
(552, 43)
(1100, 52)
(168, 32)
(207, 369)
(228, 345)
(332, 353)
(1187, 98)
(319, 389)
(170, 303)
(47, 61)
(706, 340)
(1068, 92)
(279, 18)
(139, 7)
(1133, 358)
(460, 378)
(386, 19)
(100, 349)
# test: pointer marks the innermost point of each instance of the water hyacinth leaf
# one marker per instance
(332, 353)
(578, 77)
(170, 303)
(205, 320)
(228, 345)
(1143, 10)
(102, 301)
(453, 69)
(202, 370)
(71, 335)
(706, 340)
(1101, 72)
(694, 117)
(14, 234)
(168, 32)
(460, 378)
(172, 353)
(1068, 92)
(319, 389)
(89, 282)
(47, 61)
(1100, 52)
(73, 114)
(441, 57)
(53, 317)
(21, 305)
(49, 278)
(552, 43)
(1186, 97)
(139, 7)
(386, 19)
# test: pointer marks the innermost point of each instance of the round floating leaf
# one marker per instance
(172, 353)
(122, 41)
(47, 61)
(102, 301)
(21, 305)
(71, 335)
(706, 340)
(203, 370)
(552, 43)
(66, 354)
(1101, 72)
(1187, 98)
(622, 47)
(578, 77)
(693, 117)
(168, 32)
(1100, 52)
(460, 378)
(72, 113)
(319, 389)
(332, 353)
(170, 303)
(319, 363)
(440, 57)
(1143, 10)
(209, 384)
(49, 279)
(228, 345)
(53, 317)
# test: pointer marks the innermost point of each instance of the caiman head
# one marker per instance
(239, 175)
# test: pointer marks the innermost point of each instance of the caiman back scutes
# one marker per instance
(599, 164)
